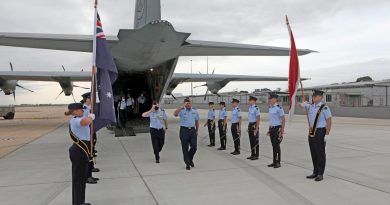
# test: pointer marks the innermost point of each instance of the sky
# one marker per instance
(351, 36)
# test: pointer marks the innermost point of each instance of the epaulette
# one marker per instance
(326, 107)
(238, 109)
(279, 106)
(84, 107)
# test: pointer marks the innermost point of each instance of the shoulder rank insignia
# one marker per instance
(326, 107)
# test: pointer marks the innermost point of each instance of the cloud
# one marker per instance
(352, 37)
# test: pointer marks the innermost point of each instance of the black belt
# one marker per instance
(272, 127)
(189, 128)
(252, 122)
(156, 128)
(220, 120)
(321, 128)
(233, 123)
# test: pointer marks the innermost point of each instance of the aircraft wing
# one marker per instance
(188, 77)
(45, 76)
(209, 48)
(82, 43)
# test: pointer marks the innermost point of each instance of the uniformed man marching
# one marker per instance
(211, 124)
(253, 128)
(189, 126)
(222, 125)
(79, 152)
(277, 123)
(236, 120)
(320, 118)
(158, 125)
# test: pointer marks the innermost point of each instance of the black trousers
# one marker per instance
(79, 173)
(189, 145)
(317, 151)
(158, 140)
(253, 139)
(274, 135)
(222, 133)
(90, 164)
(123, 117)
(236, 136)
(211, 129)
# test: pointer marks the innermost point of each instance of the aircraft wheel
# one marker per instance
(9, 116)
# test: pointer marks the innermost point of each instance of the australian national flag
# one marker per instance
(106, 74)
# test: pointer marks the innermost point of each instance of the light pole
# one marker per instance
(207, 65)
(191, 82)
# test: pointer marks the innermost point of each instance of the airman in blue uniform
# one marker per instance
(253, 128)
(211, 124)
(86, 111)
(222, 125)
(320, 120)
(189, 126)
(79, 153)
(236, 119)
(158, 125)
(277, 123)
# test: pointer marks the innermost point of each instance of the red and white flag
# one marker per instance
(294, 73)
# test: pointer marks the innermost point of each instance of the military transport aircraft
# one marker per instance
(145, 56)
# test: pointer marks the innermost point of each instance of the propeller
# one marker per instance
(205, 95)
(17, 85)
(200, 86)
(77, 86)
(73, 97)
(59, 94)
(63, 68)
(213, 72)
(173, 96)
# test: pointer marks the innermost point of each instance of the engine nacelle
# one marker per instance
(67, 87)
(215, 87)
(8, 86)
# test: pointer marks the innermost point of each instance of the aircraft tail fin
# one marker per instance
(146, 11)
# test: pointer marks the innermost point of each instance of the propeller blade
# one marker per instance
(205, 95)
(200, 86)
(73, 97)
(11, 66)
(173, 96)
(218, 94)
(213, 71)
(63, 68)
(77, 86)
(24, 88)
(13, 93)
(59, 94)
(199, 72)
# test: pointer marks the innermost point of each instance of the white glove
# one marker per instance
(92, 116)
(326, 138)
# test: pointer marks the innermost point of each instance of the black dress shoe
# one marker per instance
(250, 157)
(188, 167)
(271, 165)
(254, 158)
(319, 178)
(277, 165)
(95, 178)
(210, 145)
(192, 164)
(235, 152)
(91, 181)
(95, 170)
(312, 176)
(157, 161)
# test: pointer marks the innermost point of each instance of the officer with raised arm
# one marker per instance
(189, 126)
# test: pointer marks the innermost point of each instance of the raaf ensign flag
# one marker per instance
(106, 74)
(294, 74)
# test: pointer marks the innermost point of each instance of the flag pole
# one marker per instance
(93, 78)
(299, 74)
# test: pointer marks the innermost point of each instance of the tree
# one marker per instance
(364, 79)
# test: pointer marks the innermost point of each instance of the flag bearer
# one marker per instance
(320, 119)
(79, 153)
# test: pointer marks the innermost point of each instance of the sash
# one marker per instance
(312, 131)
(80, 144)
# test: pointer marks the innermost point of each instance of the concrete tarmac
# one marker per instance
(358, 169)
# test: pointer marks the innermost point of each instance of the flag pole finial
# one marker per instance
(96, 2)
